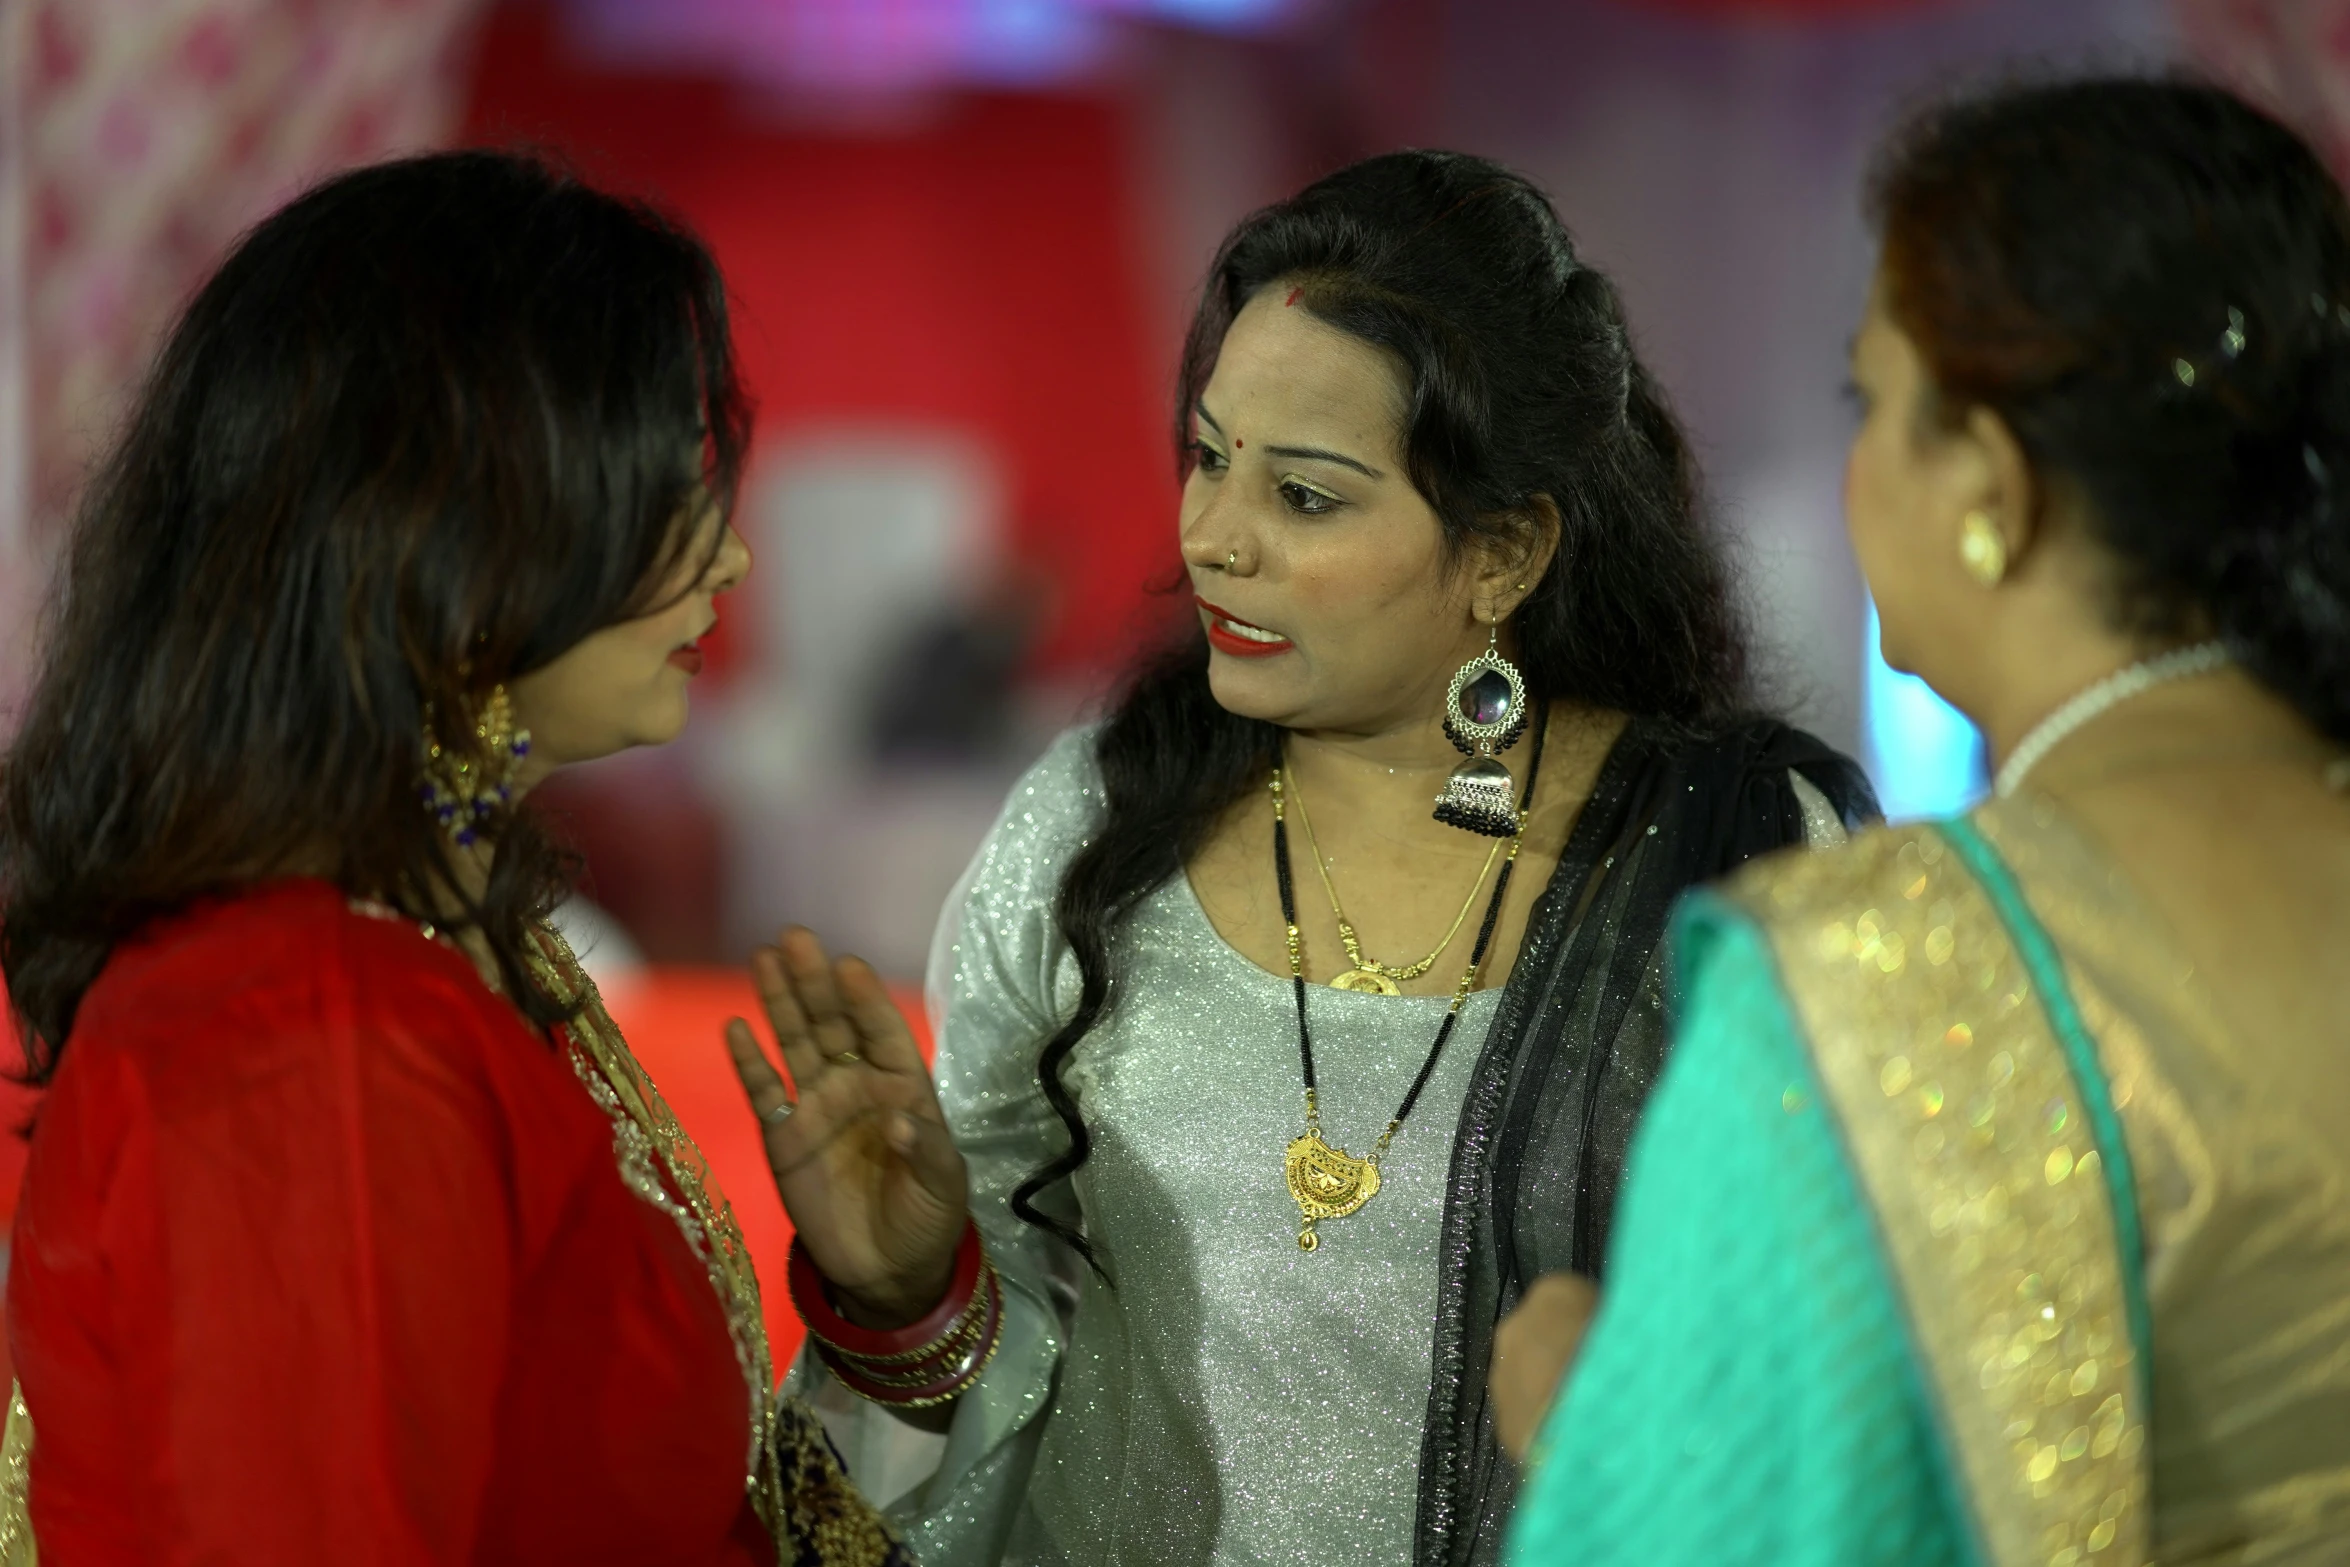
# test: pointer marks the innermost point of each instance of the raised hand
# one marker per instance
(859, 1148)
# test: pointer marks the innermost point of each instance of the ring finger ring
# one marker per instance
(780, 1114)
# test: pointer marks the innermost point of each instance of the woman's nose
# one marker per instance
(1212, 541)
(733, 562)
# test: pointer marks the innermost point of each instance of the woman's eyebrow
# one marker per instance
(1317, 454)
(1308, 453)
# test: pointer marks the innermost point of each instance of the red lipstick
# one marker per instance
(1226, 636)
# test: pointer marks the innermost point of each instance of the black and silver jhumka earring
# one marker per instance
(1484, 713)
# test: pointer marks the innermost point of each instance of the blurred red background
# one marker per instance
(976, 271)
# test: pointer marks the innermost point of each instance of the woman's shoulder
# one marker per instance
(1732, 751)
(1884, 898)
(296, 958)
(996, 936)
(1857, 946)
(1728, 790)
(1063, 783)
(1048, 814)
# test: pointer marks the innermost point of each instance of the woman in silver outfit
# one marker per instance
(1296, 1014)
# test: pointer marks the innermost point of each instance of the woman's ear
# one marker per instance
(2001, 482)
(1513, 557)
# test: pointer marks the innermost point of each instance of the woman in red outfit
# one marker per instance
(351, 1231)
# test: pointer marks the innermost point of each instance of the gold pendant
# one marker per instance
(1328, 1183)
(1368, 981)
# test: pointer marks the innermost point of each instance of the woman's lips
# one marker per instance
(1228, 633)
(688, 659)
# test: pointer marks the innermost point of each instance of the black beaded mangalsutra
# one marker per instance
(1326, 1181)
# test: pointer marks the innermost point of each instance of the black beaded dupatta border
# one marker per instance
(1573, 1050)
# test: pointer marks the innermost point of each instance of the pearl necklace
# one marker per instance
(2101, 698)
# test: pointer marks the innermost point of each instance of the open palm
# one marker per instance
(861, 1156)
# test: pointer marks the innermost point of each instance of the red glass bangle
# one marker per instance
(956, 1380)
(830, 1327)
(944, 1391)
(924, 1366)
(928, 1373)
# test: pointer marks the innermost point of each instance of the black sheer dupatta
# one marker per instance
(1574, 1049)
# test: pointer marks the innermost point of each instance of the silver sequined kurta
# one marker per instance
(1233, 1399)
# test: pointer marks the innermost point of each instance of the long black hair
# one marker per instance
(1523, 384)
(426, 428)
(2149, 281)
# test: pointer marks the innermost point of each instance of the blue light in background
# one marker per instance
(1026, 42)
(1236, 15)
(885, 47)
(1926, 758)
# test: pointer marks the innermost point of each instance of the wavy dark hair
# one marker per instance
(2149, 281)
(1522, 384)
(427, 427)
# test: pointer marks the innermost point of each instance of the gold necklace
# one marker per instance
(1325, 1181)
(1369, 974)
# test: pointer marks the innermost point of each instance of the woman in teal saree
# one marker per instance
(1995, 1204)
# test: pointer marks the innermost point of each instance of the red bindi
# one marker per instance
(1238, 444)
(1292, 299)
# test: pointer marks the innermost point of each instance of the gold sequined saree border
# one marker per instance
(1958, 1108)
(16, 1456)
(796, 1481)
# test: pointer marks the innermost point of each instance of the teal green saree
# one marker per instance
(1875, 1295)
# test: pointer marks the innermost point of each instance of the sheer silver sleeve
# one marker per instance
(1000, 982)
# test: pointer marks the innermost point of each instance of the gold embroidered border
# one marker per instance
(1958, 1111)
(17, 1548)
(795, 1480)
